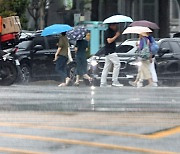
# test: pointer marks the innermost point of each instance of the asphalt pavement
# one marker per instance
(42, 118)
(89, 132)
(53, 98)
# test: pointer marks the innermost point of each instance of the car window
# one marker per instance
(52, 42)
(24, 45)
(165, 45)
(124, 48)
(39, 41)
(175, 46)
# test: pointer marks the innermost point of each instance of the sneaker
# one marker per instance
(117, 84)
(132, 83)
(150, 85)
(105, 85)
(155, 84)
(139, 84)
(62, 85)
(76, 84)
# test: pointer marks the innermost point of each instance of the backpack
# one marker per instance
(145, 52)
(154, 47)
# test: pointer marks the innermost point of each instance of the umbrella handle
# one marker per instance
(125, 25)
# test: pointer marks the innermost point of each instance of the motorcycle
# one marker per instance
(9, 67)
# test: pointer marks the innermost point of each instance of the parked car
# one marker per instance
(167, 62)
(36, 58)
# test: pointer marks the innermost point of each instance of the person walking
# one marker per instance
(61, 58)
(152, 64)
(81, 49)
(111, 35)
(144, 69)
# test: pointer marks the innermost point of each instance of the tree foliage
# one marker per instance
(14, 7)
(37, 10)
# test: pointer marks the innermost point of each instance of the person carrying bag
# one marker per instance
(145, 58)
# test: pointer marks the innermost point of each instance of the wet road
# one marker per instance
(53, 98)
(47, 119)
(93, 133)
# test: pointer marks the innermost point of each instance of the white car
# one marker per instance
(128, 47)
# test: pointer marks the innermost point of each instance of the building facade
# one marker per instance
(166, 13)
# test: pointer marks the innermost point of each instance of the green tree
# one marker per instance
(14, 7)
(38, 11)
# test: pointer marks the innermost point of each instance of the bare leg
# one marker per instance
(150, 81)
(67, 81)
(86, 76)
(77, 80)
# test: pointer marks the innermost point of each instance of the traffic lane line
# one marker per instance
(156, 135)
(85, 143)
(19, 151)
(165, 133)
(76, 130)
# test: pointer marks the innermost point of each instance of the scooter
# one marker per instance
(9, 67)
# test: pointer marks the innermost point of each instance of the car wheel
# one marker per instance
(25, 74)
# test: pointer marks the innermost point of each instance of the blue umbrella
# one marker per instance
(78, 33)
(117, 19)
(56, 29)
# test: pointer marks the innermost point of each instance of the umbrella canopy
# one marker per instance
(78, 33)
(56, 29)
(145, 23)
(117, 19)
(136, 30)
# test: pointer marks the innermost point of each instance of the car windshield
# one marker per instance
(124, 48)
(24, 44)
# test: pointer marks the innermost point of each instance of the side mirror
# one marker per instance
(38, 47)
(163, 51)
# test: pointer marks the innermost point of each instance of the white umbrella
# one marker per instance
(136, 30)
(117, 19)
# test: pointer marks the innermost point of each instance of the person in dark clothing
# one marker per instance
(61, 58)
(110, 37)
(81, 49)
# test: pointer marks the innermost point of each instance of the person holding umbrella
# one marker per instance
(154, 49)
(111, 35)
(144, 70)
(153, 46)
(61, 59)
(144, 54)
(81, 36)
(81, 49)
(61, 56)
